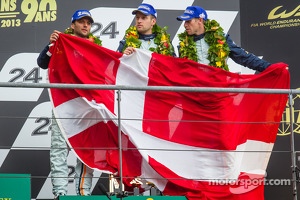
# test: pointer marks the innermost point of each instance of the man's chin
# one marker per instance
(83, 35)
(189, 33)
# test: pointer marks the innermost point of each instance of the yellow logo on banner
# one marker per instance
(283, 14)
(34, 11)
(279, 18)
(290, 115)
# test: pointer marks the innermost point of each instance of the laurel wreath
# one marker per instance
(91, 37)
(214, 36)
(162, 40)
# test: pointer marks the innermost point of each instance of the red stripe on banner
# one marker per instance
(212, 120)
(73, 64)
(248, 186)
(98, 147)
(95, 144)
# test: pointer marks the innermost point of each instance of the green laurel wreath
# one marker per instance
(214, 36)
(162, 40)
(91, 37)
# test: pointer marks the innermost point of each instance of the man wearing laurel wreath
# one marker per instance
(146, 34)
(205, 42)
(81, 24)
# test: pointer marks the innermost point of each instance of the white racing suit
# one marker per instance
(59, 167)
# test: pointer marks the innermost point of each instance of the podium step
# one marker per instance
(15, 186)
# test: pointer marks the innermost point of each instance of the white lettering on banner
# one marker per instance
(22, 67)
(111, 28)
(34, 133)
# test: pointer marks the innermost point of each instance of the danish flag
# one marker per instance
(203, 145)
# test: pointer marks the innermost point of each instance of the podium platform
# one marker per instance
(15, 186)
(103, 197)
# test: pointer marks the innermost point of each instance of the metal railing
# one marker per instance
(289, 92)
